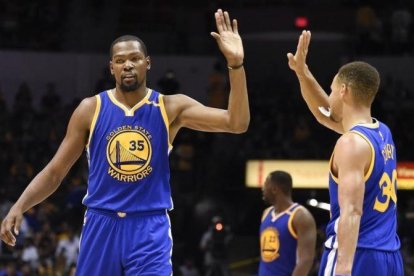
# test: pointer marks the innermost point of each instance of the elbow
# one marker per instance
(240, 128)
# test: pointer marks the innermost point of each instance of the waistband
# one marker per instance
(120, 214)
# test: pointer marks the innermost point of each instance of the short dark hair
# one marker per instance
(128, 38)
(363, 78)
(283, 180)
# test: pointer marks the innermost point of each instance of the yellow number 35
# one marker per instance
(387, 185)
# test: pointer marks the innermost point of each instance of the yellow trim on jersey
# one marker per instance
(95, 117)
(290, 225)
(371, 166)
(165, 118)
(330, 169)
(128, 112)
(266, 212)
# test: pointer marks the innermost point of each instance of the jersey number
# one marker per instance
(387, 185)
(136, 145)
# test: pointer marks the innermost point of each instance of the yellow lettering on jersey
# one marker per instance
(129, 178)
(387, 185)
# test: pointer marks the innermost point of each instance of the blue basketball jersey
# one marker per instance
(378, 227)
(128, 153)
(278, 242)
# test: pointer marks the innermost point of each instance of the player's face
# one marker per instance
(335, 102)
(129, 65)
(268, 191)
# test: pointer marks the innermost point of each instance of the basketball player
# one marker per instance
(127, 132)
(361, 235)
(287, 231)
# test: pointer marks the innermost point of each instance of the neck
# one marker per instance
(130, 98)
(356, 115)
(282, 204)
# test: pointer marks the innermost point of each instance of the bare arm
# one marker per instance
(352, 158)
(185, 112)
(305, 227)
(49, 179)
(312, 92)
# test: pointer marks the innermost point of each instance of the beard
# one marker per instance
(129, 87)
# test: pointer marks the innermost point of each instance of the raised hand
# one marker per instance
(297, 62)
(228, 38)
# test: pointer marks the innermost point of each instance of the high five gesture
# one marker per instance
(228, 39)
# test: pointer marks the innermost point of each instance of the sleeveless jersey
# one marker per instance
(128, 152)
(278, 242)
(379, 218)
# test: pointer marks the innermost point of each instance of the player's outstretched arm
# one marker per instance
(313, 94)
(48, 180)
(186, 112)
(352, 159)
(305, 227)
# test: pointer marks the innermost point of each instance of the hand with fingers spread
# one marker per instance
(297, 62)
(10, 227)
(228, 39)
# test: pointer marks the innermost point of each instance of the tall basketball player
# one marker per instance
(362, 233)
(127, 132)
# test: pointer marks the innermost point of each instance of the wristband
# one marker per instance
(235, 67)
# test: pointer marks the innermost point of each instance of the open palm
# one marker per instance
(297, 62)
(228, 38)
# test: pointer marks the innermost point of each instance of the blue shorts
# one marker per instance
(366, 262)
(125, 244)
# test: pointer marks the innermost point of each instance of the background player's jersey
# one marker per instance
(379, 218)
(128, 155)
(278, 242)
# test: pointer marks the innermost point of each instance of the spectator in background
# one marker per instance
(401, 23)
(214, 243)
(30, 254)
(68, 247)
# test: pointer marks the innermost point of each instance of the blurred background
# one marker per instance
(54, 53)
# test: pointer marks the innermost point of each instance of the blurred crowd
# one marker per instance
(380, 27)
(207, 170)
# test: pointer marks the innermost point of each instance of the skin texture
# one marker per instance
(303, 223)
(352, 154)
(129, 67)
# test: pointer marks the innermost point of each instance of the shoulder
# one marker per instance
(301, 213)
(88, 105)
(266, 212)
(302, 218)
(352, 145)
(85, 111)
(177, 100)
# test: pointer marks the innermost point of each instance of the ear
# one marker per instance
(344, 90)
(148, 62)
(111, 68)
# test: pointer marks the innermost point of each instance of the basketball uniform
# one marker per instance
(126, 226)
(378, 243)
(278, 242)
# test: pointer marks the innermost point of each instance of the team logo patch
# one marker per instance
(269, 244)
(129, 153)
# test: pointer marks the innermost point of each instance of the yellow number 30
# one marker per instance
(388, 190)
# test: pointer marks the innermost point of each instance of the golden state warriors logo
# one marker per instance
(129, 153)
(269, 244)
